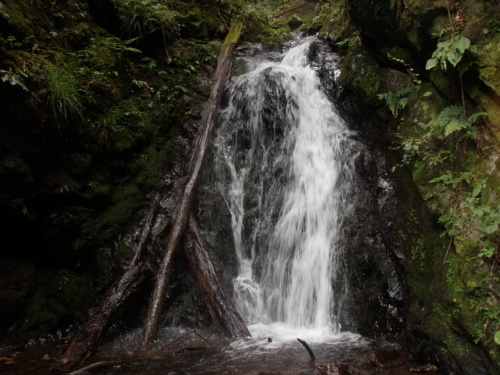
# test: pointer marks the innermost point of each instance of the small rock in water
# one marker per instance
(269, 339)
(390, 358)
(333, 369)
(426, 368)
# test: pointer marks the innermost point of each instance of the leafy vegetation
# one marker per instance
(142, 17)
(456, 183)
(450, 51)
(64, 97)
(12, 78)
(396, 101)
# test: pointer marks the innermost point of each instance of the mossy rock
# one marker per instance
(442, 81)
(199, 25)
(363, 74)
(277, 39)
(489, 57)
(294, 22)
(55, 300)
(255, 28)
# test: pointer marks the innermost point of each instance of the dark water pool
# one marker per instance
(181, 352)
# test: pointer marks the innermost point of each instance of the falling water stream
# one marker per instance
(281, 154)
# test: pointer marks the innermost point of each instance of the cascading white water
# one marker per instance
(281, 159)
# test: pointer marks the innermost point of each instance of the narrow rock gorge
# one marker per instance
(350, 192)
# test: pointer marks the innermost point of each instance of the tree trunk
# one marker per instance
(159, 295)
(219, 304)
(89, 336)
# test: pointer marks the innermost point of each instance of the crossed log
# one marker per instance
(224, 314)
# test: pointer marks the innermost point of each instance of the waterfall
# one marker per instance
(283, 168)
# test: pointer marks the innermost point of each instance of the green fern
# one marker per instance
(451, 120)
(396, 101)
(142, 17)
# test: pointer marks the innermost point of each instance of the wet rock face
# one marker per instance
(374, 276)
(215, 222)
(383, 23)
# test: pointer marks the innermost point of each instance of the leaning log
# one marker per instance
(178, 226)
(219, 304)
(140, 250)
(89, 336)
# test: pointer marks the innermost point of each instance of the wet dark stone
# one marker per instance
(390, 357)
(295, 22)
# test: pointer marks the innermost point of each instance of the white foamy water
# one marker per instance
(280, 153)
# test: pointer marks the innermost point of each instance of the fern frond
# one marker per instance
(454, 126)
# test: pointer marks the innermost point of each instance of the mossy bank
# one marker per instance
(429, 70)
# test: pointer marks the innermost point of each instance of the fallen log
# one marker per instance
(179, 221)
(219, 304)
(89, 336)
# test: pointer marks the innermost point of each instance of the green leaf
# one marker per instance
(461, 43)
(181, 88)
(130, 41)
(472, 119)
(13, 79)
(431, 63)
(477, 190)
(132, 49)
(403, 102)
(491, 228)
(454, 57)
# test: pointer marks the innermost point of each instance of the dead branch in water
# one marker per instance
(311, 354)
